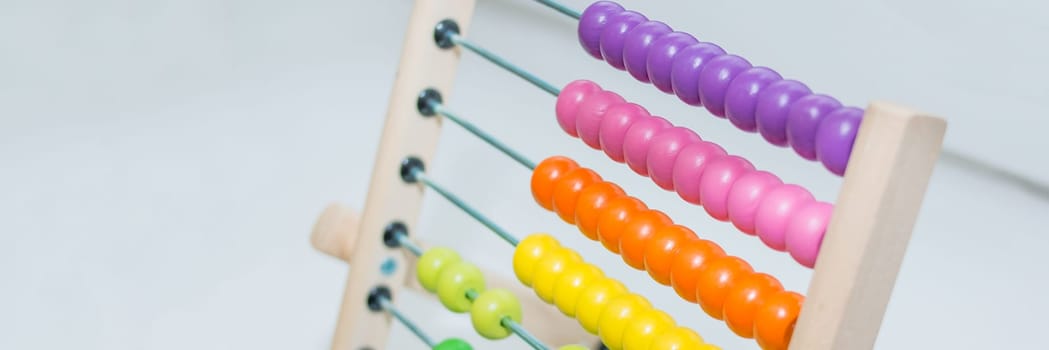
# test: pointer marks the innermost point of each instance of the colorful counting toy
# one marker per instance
(855, 245)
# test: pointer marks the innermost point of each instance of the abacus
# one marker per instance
(885, 152)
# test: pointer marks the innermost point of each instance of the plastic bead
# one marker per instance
(590, 113)
(715, 78)
(544, 177)
(803, 121)
(775, 318)
(591, 203)
(716, 182)
(689, 258)
(663, 151)
(615, 125)
(453, 344)
(489, 310)
(614, 35)
(636, 234)
(528, 252)
(741, 97)
(593, 301)
(745, 195)
(453, 283)
(661, 55)
(805, 232)
(568, 101)
(660, 251)
(743, 299)
(636, 143)
(567, 189)
(636, 45)
(615, 316)
(835, 136)
(428, 267)
(677, 338)
(774, 103)
(570, 286)
(643, 329)
(592, 21)
(689, 166)
(715, 278)
(775, 211)
(549, 269)
(684, 74)
(616, 214)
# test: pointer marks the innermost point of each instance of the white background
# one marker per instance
(161, 162)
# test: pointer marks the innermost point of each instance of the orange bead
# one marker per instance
(716, 277)
(636, 234)
(660, 249)
(685, 264)
(567, 189)
(743, 300)
(614, 216)
(544, 176)
(775, 318)
(591, 203)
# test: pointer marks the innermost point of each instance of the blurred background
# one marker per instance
(162, 161)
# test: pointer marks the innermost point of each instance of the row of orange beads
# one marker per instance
(752, 304)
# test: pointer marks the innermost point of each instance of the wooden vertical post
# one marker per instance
(892, 160)
(406, 133)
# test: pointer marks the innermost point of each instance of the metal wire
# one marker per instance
(403, 240)
(514, 327)
(488, 138)
(560, 8)
(506, 236)
(388, 306)
(499, 61)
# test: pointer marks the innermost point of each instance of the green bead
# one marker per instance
(573, 347)
(453, 283)
(453, 344)
(489, 310)
(429, 266)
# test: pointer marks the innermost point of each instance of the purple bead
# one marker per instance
(774, 102)
(661, 58)
(803, 120)
(592, 21)
(835, 136)
(684, 75)
(715, 78)
(615, 32)
(741, 97)
(636, 46)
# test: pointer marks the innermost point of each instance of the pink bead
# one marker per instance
(745, 196)
(775, 211)
(717, 180)
(805, 231)
(589, 115)
(635, 145)
(614, 126)
(572, 95)
(689, 166)
(663, 151)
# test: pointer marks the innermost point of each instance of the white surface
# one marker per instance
(161, 162)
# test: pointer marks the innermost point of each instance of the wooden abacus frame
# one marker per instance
(890, 166)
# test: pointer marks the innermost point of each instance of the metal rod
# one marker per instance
(560, 8)
(522, 333)
(403, 240)
(506, 236)
(499, 61)
(386, 305)
(488, 138)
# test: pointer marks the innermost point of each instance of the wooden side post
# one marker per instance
(406, 133)
(892, 160)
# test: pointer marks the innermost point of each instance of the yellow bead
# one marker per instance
(528, 253)
(571, 284)
(429, 266)
(573, 347)
(615, 317)
(490, 308)
(549, 269)
(678, 338)
(593, 300)
(644, 328)
(453, 283)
